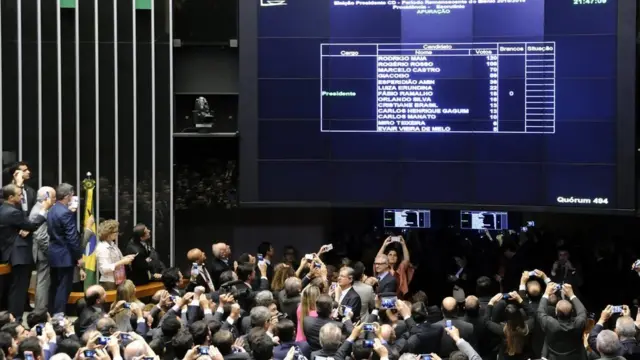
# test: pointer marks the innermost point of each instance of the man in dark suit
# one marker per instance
(95, 298)
(220, 262)
(488, 343)
(146, 266)
(267, 252)
(450, 312)
(16, 244)
(247, 274)
(285, 330)
(387, 283)
(28, 193)
(312, 325)
(421, 337)
(346, 295)
(199, 277)
(65, 249)
(563, 336)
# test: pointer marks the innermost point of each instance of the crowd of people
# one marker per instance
(497, 296)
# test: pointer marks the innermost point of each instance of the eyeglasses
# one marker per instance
(381, 263)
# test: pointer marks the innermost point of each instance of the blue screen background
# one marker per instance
(299, 163)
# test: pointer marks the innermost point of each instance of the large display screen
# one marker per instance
(511, 103)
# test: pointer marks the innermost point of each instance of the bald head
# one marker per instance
(533, 288)
(195, 255)
(563, 309)
(60, 356)
(135, 349)
(471, 304)
(46, 192)
(449, 305)
(94, 295)
(387, 332)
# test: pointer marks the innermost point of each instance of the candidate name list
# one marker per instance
(406, 84)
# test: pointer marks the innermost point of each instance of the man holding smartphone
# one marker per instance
(16, 243)
(65, 248)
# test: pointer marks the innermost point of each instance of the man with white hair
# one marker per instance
(220, 262)
(41, 249)
(625, 330)
(608, 345)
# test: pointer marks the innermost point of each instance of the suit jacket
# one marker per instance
(563, 338)
(367, 297)
(13, 248)
(425, 338)
(88, 317)
(340, 354)
(388, 284)
(64, 240)
(217, 267)
(280, 351)
(311, 328)
(447, 346)
(40, 236)
(352, 300)
(289, 306)
(147, 262)
(31, 197)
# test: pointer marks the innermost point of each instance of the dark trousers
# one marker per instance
(61, 284)
(20, 276)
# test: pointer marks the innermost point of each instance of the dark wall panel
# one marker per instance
(69, 173)
(162, 133)
(9, 77)
(50, 95)
(144, 94)
(125, 118)
(106, 155)
(30, 144)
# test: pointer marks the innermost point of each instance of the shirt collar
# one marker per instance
(381, 276)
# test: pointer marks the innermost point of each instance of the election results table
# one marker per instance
(499, 87)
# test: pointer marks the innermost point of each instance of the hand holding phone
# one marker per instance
(388, 302)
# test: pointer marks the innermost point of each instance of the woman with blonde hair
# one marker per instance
(110, 262)
(125, 294)
(281, 273)
(307, 307)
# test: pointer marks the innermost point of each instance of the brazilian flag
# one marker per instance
(89, 255)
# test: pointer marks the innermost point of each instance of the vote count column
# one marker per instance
(348, 87)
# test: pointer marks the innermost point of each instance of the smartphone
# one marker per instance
(173, 299)
(506, 296)
(126, 305)
(346, 310)
(203, 350)
(368, 327)
(425, 356)
(317, 265)
(125, 336)
(533, 273)
(531, 223)
(334, 285)
(328, 247)
(87, 354)
(448, 324)
(39, 329)
(395, 238)
(388, 302)
(75, 201)
(524, 229)
(260, 257)
(368, 344)
(558, 287)
(103, 340)
(148, 358)
(636, 264)
(309, 257)
(616, 309)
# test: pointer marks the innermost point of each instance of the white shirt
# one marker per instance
(343, 293)
(107, 255)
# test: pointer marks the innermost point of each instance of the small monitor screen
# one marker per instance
(404, 218)
(484, 220)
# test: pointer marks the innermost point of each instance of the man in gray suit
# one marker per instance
(367, 296)
(41, 249)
